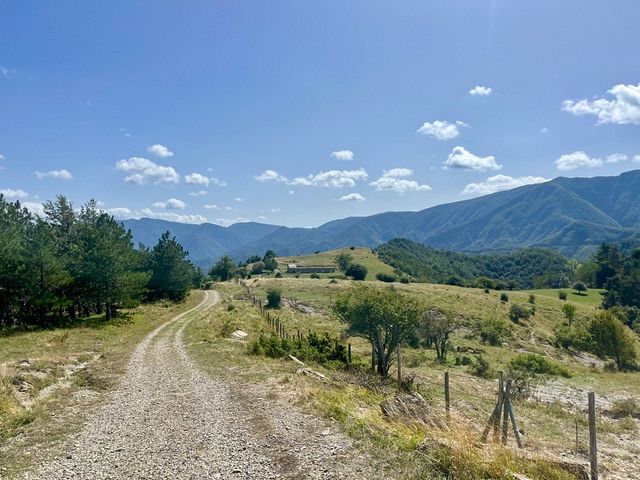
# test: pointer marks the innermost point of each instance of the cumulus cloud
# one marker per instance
(481, 90)
(120, 212)
(196, 179)
(225, 222)
(174, 217)
(499, 183)
(352, 197)
(143, 170)
(464, 159)
(199, 193)
(623, 108)
(332, 179)
(579, 159)
(171, 204)
(342, 155)
(159, 151)
(393, 180)
(216, 207)
(14, 194)
(57, 174)
(636, 159)
(616, 158)
(441, 129)
(270, 176)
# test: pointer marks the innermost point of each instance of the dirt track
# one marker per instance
(168, 419)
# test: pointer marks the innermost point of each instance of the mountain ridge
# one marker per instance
(569, 215)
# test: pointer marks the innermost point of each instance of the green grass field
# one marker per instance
(360, 255)
(548, 418)
(590, 297)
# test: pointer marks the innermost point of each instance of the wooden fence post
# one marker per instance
(593, 444)
(505, 415)
(447, 397)
(349, 353)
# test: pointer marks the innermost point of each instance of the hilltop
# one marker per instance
(569, 215)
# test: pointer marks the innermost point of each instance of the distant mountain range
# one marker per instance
(569, 215)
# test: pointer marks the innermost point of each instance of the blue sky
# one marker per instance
(298, 113)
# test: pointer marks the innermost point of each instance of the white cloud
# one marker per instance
(14, 194)
(636, 159)
(544, 130)
(159, 151)
(579, 159)
(481, 90)
(616, 157)
(441, 129)
(215, 181)
(225, 222)
(1, 157)
(262, 218)
(462, 158)
(498, 183)
(34, 207)
(623, 109)
(352, 197)
(291, 192)
(57, 174)
(144, 170)
(345, 155)
(171, 204)
(9, 72)
(174, 217)
(391, 180)
(270, 176)
(120, 212)
(274, 210)
(332, 179)
(196, 179)
(238, 199)
(199, 193)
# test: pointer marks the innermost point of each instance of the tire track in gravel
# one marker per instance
(168, 419)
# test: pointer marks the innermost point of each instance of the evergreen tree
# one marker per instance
(172, 274)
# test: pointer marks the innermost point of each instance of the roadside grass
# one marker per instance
(51, 379)
(592, 297)
(362, 255)
(548, 420)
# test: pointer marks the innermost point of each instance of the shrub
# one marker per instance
(494, 331)
(333, 280)
(573, 336)
(320, 348)
(297, 275)
(481, 368)
(314, 275)
(532, 298)
(518, 313)
(504, 297)
(580, 287)
(463, 360)
(486, 290)
(569, 312)
(562, 295)
(278, 275)
(404, 280)
(274, 298)
(352, 248)
(257, 268)
(357, 271)
(386, 277)
(626, 407)
(529, 370)
(613, 339)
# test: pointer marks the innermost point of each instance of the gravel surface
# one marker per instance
(168, 419)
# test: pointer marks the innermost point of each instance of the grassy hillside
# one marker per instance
(592, 297)
(361, 255)
(548, 418)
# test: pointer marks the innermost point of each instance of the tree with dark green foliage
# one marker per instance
(356, 271)
(579, 287)
(269, 260)
(383, 316)
(223, 269)
(613, 339)
(172, 274)
(518, 313)
(343, 260)
(608, 260)
(274, 298)
(436, 327)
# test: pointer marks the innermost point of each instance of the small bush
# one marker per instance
(626, 407)
(562, 295)
(463, 360)
(494, 331)
(274, 298)
(532, 298)
(352, 248)
(297, 275)
(278, 275)
(486, 290)
(518, 313)
(529, 370)
(481, 368)
(320, 348)
(357, 271)
(569, 312)
(386, 277)
(404, 280)
(333, 280)
(314, 275)
(504, 297)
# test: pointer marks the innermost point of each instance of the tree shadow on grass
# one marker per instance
(95, 322)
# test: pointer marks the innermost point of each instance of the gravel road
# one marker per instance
(168, 419)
